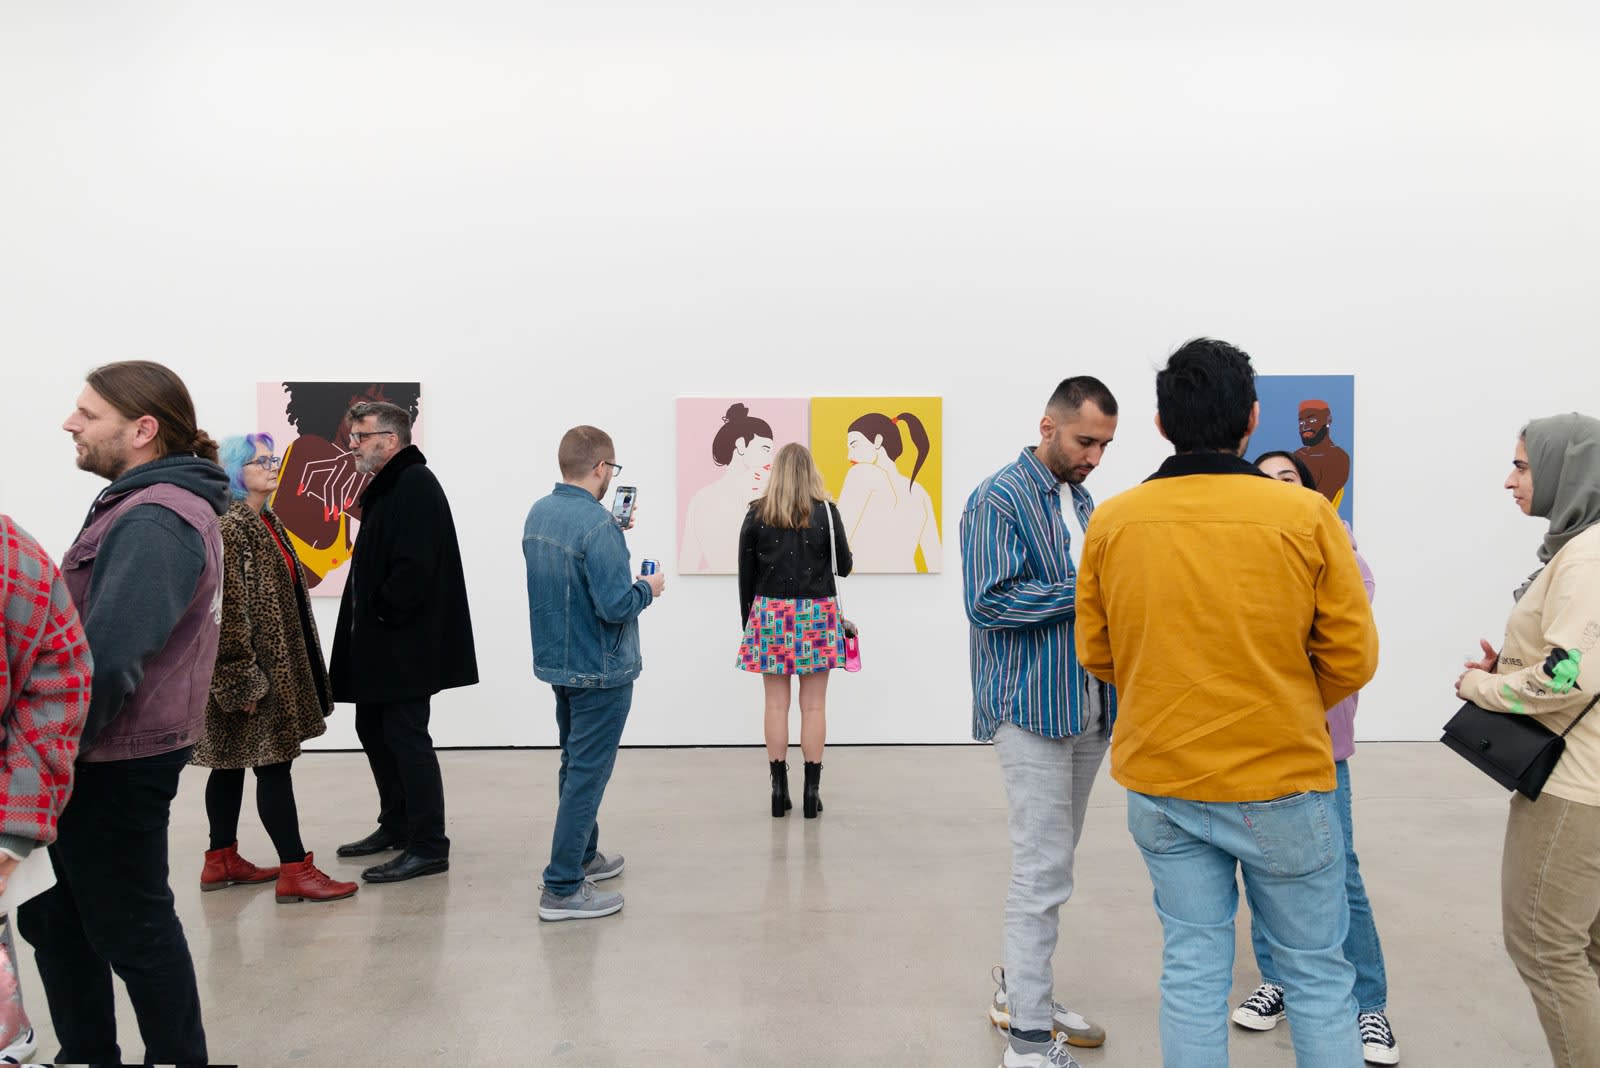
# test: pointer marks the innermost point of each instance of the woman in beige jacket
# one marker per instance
(1548, 667)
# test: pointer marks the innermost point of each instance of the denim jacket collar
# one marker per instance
(567, 489)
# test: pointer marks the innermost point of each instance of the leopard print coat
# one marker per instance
(268, 653)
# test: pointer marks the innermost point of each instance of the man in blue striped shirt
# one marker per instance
(1049, 719)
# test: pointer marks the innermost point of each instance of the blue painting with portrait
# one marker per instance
(1313, 417)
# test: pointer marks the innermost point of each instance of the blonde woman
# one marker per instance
(789, 603)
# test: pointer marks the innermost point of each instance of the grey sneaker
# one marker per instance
(602, 868)
(1262, 1010)
(1079, 1031)
(587, 904)
(1039, 1054)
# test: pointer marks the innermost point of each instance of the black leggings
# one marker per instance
(274, 802)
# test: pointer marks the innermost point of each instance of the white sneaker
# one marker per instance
(20, 1049)
(1079, 1031)
(1055, 1055)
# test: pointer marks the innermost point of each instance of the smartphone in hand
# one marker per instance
(622, 505)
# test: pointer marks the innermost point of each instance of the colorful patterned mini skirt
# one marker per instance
(792, 636)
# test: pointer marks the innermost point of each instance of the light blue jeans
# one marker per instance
(1291, 853)
(1361, 946)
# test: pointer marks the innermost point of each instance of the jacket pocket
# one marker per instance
(622, 650)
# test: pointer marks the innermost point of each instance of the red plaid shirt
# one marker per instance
(45, 676)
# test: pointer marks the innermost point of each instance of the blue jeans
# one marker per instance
(590, 721)
(1361, 946)
(1289, 852)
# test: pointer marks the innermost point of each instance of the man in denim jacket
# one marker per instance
(583, 611)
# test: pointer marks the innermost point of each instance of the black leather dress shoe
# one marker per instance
(405, 866)
(379, 841)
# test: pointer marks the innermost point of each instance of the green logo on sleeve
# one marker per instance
(1564, 674)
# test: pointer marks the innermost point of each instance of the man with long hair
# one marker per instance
(146, 575)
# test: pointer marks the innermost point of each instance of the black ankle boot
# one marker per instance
(780, 788)
(810, 803)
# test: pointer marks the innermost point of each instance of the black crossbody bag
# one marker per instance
(1513, 749)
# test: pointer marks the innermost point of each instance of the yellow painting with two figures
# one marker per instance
(882, 459)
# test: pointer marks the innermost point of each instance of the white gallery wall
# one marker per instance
(562, 213)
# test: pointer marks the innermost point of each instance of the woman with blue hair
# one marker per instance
(270, 690)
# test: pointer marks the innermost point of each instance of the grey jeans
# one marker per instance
(1047, 784)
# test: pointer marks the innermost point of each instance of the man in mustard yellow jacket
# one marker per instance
(1230, 615)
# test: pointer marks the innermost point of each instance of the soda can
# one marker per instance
(649, 567)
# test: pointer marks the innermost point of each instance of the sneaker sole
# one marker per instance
(1380, 1055)
(603, 876)
(553, 915)
(1000, 1020)
(1251, 1021)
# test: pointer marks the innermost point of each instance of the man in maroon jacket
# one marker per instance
(146, 574)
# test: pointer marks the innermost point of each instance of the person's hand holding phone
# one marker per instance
(622, 505)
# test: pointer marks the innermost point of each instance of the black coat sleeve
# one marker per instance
(748, 562)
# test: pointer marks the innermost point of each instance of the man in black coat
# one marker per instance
(404, 634)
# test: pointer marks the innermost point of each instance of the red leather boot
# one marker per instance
(304, 882)
(225, 866)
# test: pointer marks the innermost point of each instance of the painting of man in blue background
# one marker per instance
(1312, 416)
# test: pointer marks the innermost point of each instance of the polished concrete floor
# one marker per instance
(862, 938)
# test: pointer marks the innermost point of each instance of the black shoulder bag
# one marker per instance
(1512, 748)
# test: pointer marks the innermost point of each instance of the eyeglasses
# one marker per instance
(271, 463)
(357, 436)
(616, 468)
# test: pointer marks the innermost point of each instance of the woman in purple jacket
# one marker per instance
(1262, 1010)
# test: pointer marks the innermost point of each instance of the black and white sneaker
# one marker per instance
(1262, 1010)
(1377, 1039)
(20, 1049)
